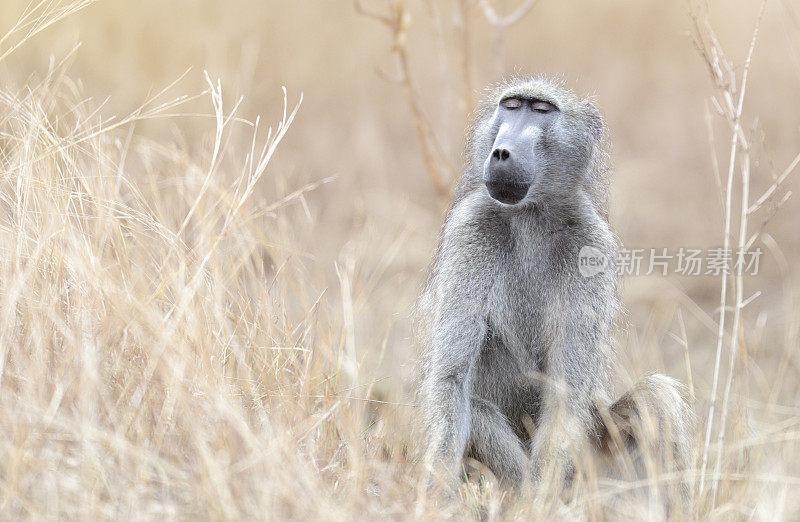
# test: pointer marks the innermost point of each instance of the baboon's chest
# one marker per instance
(522, 299)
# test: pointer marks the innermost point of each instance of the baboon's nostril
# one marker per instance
(501, 154)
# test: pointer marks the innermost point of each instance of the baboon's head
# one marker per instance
(536, 140)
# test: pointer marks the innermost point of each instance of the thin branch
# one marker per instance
(739, 281)
(462, 27)
(722, 72)
(505, 21)
(768, 193)
(441, 172)
(500, 25)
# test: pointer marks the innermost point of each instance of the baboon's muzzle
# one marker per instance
(503, 177)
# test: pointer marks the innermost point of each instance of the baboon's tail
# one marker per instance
(648, 433)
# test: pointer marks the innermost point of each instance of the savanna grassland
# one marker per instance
(215, 218)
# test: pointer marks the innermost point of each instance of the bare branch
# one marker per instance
(500, 24)
(464, 56)
(362, 9)
(771, 190)
(440, 171)
(724, 75)
(504, 21)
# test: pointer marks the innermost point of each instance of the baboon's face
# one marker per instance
(511, 167)
(535, 142)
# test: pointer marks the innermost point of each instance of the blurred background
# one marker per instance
(378, 217)
(638, 61)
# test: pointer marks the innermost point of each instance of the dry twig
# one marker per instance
(501, 24)
(397, 18)
(729, 103)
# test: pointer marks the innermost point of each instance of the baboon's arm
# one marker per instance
(456, 341)
(459, 293)
(576, 375)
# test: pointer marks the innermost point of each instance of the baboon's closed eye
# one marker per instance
(514, 102)
(542, 106)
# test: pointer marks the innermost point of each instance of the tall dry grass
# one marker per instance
(176, 343)
(163, 348)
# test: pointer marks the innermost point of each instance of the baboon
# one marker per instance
(515, 327)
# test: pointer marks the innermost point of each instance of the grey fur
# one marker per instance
(651, 427)
(511, 327)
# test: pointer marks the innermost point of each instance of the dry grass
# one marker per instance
(202, 319)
